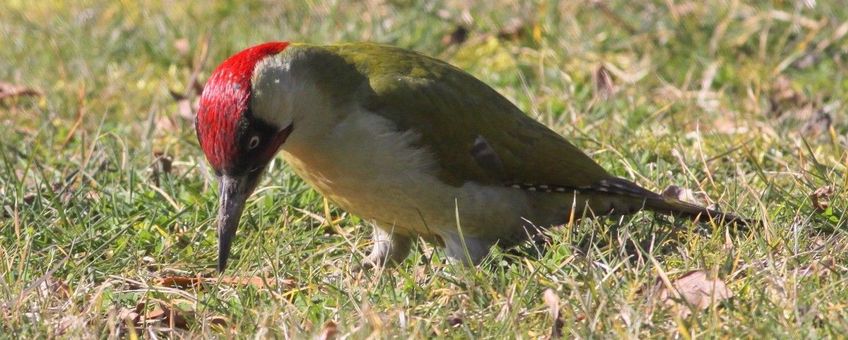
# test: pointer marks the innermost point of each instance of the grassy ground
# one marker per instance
(742, 103)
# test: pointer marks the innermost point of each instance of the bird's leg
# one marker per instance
(389, 249)
(470, 252)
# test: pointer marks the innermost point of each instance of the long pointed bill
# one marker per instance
(234, 193)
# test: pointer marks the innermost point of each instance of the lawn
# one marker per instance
(107, 204)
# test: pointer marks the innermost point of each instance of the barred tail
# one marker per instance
(664, 205)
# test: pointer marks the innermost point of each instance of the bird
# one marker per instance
(418, 147)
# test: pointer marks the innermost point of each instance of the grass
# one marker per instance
(741, 102)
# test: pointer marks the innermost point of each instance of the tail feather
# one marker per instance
(664, 205)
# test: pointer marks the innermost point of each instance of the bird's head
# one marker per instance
(238, 133)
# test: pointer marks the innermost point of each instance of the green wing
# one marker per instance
(462, 121)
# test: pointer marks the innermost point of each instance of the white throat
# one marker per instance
(282, 96)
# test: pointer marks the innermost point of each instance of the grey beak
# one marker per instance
(234, 193)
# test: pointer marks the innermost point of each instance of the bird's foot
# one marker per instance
(388, 250)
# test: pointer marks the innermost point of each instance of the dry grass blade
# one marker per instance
(81, 111)
(613, 16)
(604, 86)
(552, 301)
(218, 320)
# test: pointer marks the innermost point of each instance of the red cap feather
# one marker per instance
(224, 100)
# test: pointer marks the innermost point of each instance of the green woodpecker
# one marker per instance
(419, 147)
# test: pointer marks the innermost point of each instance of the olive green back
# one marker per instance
(450, 110)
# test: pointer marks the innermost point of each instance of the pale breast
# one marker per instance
(370, 169)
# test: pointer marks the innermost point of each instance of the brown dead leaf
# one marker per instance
(161, 165)
(458, 36)
(164, 124)
(128, 315)
(218, 320)
(131, 316)
(68, 322)
(8, 90)
(150, 263)
(182, 46)
(54, 288)
(782, 97)
(188, 108)
(552, 301)
(29, 198)
(455, 320)
(795, 109)
(184, 282)
(168, 315)
(188, 103)
(65, 191)
(604, 86)
(694, 289)
(257, 282)
(329, 331)
(180, 282)
(819, 122)
(819, 268)
(685, 195)
(513, 30)
(155, 314)
(163, 162)
(821, 198)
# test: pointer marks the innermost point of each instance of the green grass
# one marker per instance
(720, 97)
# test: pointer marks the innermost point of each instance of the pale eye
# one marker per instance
(254, 142)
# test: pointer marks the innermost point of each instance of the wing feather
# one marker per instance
(452, 111)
